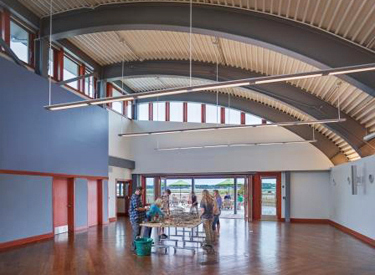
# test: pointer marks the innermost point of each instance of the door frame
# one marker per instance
(71, 204)
(257, 194)
(130, 192)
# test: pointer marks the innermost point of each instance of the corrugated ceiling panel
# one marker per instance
(112, 47)
(350, 19)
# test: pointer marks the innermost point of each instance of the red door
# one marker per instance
(127, 195)
(60, 205)
(257, 194)
(92, 202)
(257, 197)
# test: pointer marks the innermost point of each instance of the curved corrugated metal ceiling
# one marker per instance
(113, 47)
(352, 20)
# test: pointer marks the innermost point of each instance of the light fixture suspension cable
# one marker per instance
(50, 53)
(190, 41)
(122, 75)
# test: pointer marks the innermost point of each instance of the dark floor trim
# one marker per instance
(353, 233)
(24, 241)
(313, 221)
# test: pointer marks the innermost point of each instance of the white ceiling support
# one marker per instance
(236, 145)
(232, 127)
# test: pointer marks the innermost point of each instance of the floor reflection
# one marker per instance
(256, 248)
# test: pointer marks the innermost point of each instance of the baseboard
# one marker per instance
(121, 214)
(113, 219)
(19, 242)
(313, 221)
(80, 228)
(353, 233)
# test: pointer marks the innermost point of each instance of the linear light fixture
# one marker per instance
(219, 85)
(287, 78)
(353, 71)
(237, 145)
(232, 127)
(56, 108)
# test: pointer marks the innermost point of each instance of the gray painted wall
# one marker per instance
(71, 142)
(80, 201)
(105, 201)
(25, 206)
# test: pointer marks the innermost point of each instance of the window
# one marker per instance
(251, 119)
(212, 114)
(143, 111)
(19, 41)
(129, 110)
(233, 116)
(176, 111)
(71, 70)
(51, 62)
(159, 111)
(150, 190)
(120, 189)
(117, 106)
(89, 85)
(194, 112)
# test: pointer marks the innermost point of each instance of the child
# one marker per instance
(151, 214)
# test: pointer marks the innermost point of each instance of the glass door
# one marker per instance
(268, 198)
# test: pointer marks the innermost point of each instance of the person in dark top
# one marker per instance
(194, 203)
(227, 196)
(137, 213)
(207, 215)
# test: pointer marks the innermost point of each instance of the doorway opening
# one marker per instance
(232, 189)
(268, 198)
(63, 205)
(123, 194)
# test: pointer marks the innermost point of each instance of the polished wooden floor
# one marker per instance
(258, 248)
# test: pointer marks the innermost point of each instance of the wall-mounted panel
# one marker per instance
(80, 207)
(25, 206)
(105, 201)
(73, 142)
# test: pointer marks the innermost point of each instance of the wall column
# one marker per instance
(287, 196)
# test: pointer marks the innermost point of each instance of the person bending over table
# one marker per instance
(136, 213)
(151, 214)
(207, 207)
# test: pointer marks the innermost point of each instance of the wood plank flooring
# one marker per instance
(258, 248)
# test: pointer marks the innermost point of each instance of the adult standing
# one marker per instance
(194, 203)
(137, 213)
(207, 209)
(216, 221)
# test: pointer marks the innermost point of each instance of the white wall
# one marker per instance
(114, 174)
(118, 147)
(309, 195)
(354, 211)
(232, 159)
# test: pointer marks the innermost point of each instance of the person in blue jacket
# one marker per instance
(154, 212)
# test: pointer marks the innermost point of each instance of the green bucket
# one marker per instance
(143, 246)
